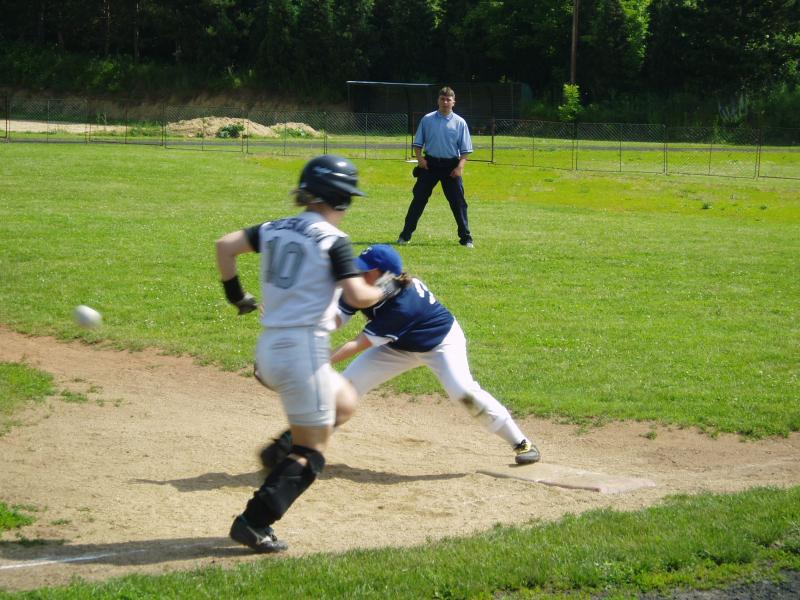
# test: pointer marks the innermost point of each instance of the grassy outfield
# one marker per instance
(588, 297)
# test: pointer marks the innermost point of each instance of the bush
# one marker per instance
(234, 130)
(571, 109)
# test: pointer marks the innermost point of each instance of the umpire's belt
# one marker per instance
(441, 163)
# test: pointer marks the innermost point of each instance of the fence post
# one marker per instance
(710, 152)
(758, 152)
(574, 146)
(247, 121)
(664, 141)
(325, 129)
(494, 131)
(242, 114)
(620, 147)
(164, 125)
(7, 116)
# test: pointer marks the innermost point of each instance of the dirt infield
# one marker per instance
(147, 475)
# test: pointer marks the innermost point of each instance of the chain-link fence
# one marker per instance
(647, 148)
(287, 133)
(708, 151)
(49, 120)
(204, 128)
(368, 135)
(779, 153)
(605, 147)
(112, 122)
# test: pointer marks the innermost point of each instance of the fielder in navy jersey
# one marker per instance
(413, 329)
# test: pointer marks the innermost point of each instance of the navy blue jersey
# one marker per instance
(413, 320)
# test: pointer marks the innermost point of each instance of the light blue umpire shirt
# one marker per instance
(443, 137)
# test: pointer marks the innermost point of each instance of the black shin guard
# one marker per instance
(287, 481)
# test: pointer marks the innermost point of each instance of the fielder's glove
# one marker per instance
(242, 300)
(415, 171)
(389, 286)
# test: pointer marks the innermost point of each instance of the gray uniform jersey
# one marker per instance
(302, 258)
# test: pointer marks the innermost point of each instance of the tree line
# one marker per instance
(726, 49)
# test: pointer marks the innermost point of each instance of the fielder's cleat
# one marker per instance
(402, 242)
(260, 539)
(526, 453)
(275, 452)
(469, 245)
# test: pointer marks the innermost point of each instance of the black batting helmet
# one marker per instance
(332, 179)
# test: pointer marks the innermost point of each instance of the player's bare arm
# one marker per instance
(351, 348)
(359, 294)
(228, 248)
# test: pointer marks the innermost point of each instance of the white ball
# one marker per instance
(87, 317)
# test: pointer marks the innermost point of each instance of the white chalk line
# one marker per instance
(87, 557)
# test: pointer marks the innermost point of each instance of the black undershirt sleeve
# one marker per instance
(254, 236)
(342, 259)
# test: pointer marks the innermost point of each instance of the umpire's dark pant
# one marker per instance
(438, 171)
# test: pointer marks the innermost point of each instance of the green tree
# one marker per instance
(609, 59)
(515, 40)
(352, 27)
(722, 46)
(401, 47)
(316, 48)
(274, 29)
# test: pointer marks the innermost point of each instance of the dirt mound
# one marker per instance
(210, 126)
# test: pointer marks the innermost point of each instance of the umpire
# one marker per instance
(447, 143)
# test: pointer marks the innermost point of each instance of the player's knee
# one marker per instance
(491, 415)
(287, 481)
(346, 403)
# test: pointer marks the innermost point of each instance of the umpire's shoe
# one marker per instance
(274, 452)
(260, 539)
(526, 453)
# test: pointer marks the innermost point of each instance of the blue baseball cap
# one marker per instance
(380, 256)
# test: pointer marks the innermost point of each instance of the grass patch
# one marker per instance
(74, 397)
(19, 385)
(12, 518)
(703, 541)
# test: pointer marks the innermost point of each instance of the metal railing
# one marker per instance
(604, 147)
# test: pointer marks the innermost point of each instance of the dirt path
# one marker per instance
(147, 475)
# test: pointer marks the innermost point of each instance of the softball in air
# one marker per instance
(87, 317)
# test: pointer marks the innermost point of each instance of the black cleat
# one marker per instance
(526, 453)
(260, 539)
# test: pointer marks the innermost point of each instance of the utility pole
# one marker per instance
(576, 6)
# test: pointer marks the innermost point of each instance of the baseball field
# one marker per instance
(639, 326)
